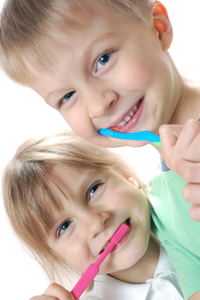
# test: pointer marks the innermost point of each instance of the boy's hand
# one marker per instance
(55, 292)
(181, 152)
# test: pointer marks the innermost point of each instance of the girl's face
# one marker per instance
(95, 203)
(112, 71)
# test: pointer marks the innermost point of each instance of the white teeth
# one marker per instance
(127, 118)
(135, 108)
(105, 246)
(122, 123)
(131, 113)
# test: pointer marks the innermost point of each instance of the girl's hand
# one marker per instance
(55, 292)
(181, 152)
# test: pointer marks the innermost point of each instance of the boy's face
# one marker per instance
(95, 203)
(113, 72)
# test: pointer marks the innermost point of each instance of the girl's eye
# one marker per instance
(93, 190)
(63, 227)
(103, 60)
(67, 97)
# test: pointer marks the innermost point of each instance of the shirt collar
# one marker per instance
(164, 264)
(107, 287)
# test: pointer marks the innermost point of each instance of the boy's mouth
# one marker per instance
(127, 118)
(127, 222)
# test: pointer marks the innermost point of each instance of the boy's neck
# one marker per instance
(145, 268)
(188, 106)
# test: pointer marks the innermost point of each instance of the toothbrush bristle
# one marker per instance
(115, 128)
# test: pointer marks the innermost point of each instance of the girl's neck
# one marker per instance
(144, 268)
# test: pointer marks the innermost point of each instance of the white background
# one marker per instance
(24, 114)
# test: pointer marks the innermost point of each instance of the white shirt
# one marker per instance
(164, 285)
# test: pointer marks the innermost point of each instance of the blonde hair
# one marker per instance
(29, 191)
(30, 30)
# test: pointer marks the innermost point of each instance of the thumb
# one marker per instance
(169, 135)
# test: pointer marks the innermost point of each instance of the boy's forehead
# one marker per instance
(95, 15)
(97, 25)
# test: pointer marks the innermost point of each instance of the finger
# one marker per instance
(56, 290)
(191, 193)
(180, 141)
(188, 143)
(193, 152)
(188, 170)
(43, 297)
(189, 132)
(169, 135)
(195, 212)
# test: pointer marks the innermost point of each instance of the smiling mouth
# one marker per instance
(127, 222)
(127, 118)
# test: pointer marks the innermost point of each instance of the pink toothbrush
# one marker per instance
(93, 269)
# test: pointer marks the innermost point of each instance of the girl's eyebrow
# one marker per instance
(88, 178)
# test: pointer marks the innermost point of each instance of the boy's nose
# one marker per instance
(99, 103)
(96, 223)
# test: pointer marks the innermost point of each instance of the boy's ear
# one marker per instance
(133, 182)
(162, 25)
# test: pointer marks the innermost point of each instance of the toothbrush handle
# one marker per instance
(91, 272)
(137, 136)
(85, 280)
(93, 269)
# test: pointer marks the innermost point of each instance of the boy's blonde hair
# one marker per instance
(30, 30)
(31, 196)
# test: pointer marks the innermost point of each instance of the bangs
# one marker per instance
(35, 202)
(36, 30)
(32, 31)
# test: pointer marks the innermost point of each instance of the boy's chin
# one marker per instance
(123, 143)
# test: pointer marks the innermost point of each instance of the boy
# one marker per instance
(100, 63)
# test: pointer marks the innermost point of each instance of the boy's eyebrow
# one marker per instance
(48, 96)
(103, 37)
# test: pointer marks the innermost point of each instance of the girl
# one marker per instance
(65, 198)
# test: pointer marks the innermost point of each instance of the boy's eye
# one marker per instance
(67, 97)
(93, 190)
(63, 227)
(103, 60)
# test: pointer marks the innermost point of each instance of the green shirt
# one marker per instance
(174, 228)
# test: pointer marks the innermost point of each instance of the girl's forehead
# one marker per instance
(66, 175)
(76, 180)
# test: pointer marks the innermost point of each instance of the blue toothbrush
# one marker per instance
(137, 136)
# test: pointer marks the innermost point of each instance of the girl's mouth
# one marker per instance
(127, 222)
(131, 118)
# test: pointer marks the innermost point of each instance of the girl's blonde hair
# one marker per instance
(30, 30)
(31, 195)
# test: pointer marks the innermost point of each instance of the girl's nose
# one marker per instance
(99, 103)
(96, 223)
